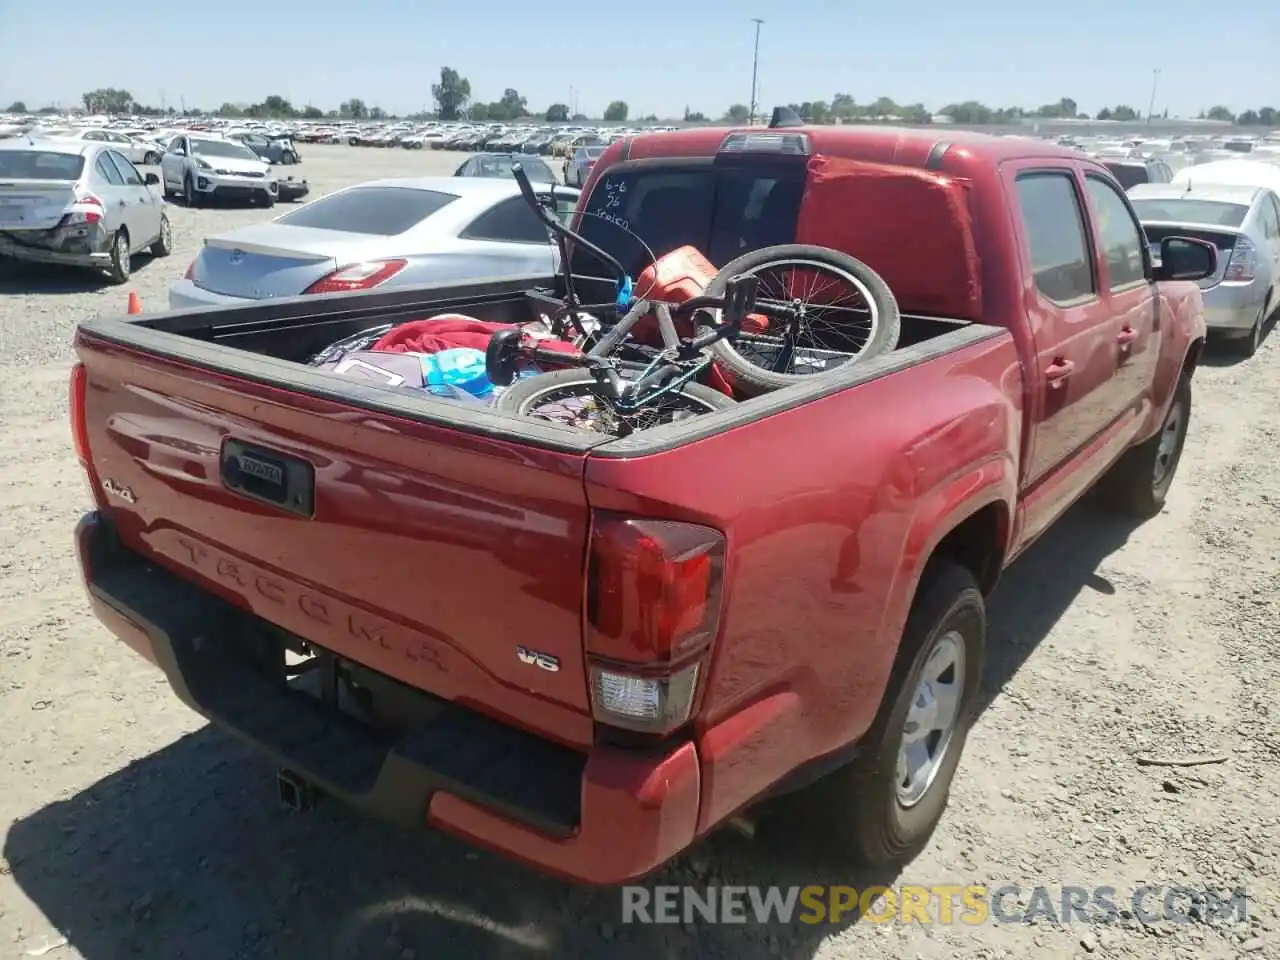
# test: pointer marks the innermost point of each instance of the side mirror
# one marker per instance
(1185, 258)
(151, 180)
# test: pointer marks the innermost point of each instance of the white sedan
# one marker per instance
(384, 233)
(135, 149)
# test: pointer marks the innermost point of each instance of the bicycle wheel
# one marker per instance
(823, 309)
(573, 398)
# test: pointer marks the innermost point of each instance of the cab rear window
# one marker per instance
(639, 215)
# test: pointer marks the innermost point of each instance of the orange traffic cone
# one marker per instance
(135, 305)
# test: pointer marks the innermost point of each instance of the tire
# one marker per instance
(1138, 483)
(190, 195)
(164, 243)
(1248, 345)
(288, 158)
(862, 811)
(752, 379)
(121, 266)
(151, 159)
(519, 398)
(268, 199)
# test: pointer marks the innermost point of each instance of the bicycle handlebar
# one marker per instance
(554, 224)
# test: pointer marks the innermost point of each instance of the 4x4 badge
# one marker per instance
(113, 489)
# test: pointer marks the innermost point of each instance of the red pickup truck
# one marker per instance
(585, 651)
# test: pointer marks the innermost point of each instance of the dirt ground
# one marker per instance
(131, 829)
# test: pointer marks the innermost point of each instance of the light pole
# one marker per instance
(755, 70)
(1155, 81)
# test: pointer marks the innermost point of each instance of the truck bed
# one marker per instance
(269, 343)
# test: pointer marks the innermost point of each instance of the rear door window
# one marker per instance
(382, 211)
(107, 171)
(127, 170)
(1056, 238)
(639, 215)
(511, 221)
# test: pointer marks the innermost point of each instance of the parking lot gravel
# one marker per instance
(132, 829)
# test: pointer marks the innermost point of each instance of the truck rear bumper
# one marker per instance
(607, 816)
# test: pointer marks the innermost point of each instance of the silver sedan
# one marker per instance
(384, 233)
(78, 203)
(1243, 222)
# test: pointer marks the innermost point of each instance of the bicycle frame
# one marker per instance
(679, 361)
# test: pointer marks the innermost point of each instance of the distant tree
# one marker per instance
(1248, 119)
(17, 107)
(355, 108)
(557, 113)
(738, 113)
(47, 111)
(915, 113)
(1064, 109)
(969, 113)
(883, 107)
(843, 107)
(649, 118)
(617, 111)
(277, 106)
(107, 100)
(312, 113)
(512, 106)
(694, 116)
(377, 113)
(815, 111)
(1268, 117)
(579, 117)
(1125, 114)
(1104, 114)
(230, 110)
(451, 94)
(479, 112)
(1220, 113)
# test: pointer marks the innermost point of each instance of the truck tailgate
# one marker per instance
(424, 552)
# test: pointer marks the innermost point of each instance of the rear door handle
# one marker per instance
(1126, 336)
(1057, 372)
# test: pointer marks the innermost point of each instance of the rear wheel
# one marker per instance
(816, 310)
(164, 243)
(120, 267)
(883, 807)
(190, 195)
(572, 398)
(1248, 345)
(151, 159)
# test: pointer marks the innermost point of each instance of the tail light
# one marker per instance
(79, 427)
(191, 268)
(654, 591)
(358, 276)
(93, 213)
(1242, 267)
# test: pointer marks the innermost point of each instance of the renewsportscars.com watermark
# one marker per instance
(936, 904)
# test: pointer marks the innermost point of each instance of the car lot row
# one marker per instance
(82, 202)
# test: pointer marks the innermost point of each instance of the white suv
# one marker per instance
(200, 166)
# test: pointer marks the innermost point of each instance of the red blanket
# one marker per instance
(455, 330)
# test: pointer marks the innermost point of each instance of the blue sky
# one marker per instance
(658, 55)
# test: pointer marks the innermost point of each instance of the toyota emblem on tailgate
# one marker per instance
(237, 256)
